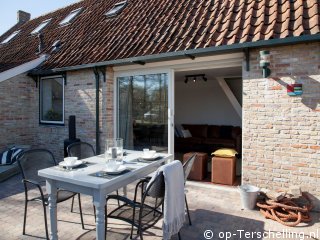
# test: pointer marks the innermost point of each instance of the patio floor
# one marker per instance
(212, 208)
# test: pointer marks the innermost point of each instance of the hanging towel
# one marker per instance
(174, 200)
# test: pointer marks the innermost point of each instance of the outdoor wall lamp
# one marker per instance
(264, 63)
(195, 77)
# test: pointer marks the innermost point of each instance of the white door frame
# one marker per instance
(170, 74)
(170, 67)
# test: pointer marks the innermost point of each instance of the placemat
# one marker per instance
(103, 174)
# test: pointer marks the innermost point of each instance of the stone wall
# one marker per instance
(281, 133)
(16, 111)
(19, 117)
(80, 100)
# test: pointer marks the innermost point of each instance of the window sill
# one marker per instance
(51, 124)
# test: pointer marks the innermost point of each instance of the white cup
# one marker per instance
(113, 165)
(149, 153)
(70, 160)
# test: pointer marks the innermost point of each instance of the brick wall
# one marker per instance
(281, 134)
(16, 111)
(19, 117)
(80, 100)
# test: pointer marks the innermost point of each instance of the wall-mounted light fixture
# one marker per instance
(264, 63)
(195, 77)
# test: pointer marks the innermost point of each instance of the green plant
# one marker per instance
(51, 115)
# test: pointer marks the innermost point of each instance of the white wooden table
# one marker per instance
(79, 180)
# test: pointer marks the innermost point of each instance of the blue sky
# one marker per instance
(9, 8)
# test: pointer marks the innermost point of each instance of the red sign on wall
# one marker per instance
(294, 89)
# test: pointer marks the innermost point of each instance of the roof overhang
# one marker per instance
(23, 68)
(187, 53)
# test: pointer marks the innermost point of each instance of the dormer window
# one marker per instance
(70, 17)
(11, 36)
(117, 8)
(41, 26)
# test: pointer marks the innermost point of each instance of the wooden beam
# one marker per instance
(233, 100)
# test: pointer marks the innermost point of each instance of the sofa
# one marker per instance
(208, 138)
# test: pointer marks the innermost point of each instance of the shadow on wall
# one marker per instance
(310, 96)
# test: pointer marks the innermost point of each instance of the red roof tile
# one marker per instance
(147, 27)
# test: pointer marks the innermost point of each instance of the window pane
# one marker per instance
(41, 26)
(10, 37)
(70, 17)
(52, 100)
(143, 111)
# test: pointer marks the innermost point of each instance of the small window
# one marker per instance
(10, 37)
(41, 26)
(70, 17)
(52, 100)
(117, 8)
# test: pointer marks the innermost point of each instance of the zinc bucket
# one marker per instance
(249, 196)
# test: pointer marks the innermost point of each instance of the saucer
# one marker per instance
(76, 164)
(150, 158)
(120, 170)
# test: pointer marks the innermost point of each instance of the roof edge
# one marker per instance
(186, 53)
(25, 67)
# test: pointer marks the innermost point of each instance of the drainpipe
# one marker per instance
(97, 77)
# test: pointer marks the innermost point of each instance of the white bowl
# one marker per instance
(70, 160)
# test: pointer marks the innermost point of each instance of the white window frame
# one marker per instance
(10, 37)
(40, 101)
(41, 26)
(170, 74)
(70, 17)
(110, 13)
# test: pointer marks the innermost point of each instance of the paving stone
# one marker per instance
(211, 209)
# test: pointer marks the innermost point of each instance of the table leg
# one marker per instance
(124, 191)
(99, 201)
(52, 192)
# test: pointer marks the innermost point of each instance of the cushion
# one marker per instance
(213, 131)
(226, 143)
(188, 141)
(225, 152)
(197, 130)
(236, 131)
(178, 130)
(176, 133)
(225, 131)
(10, 156)
(186, 133)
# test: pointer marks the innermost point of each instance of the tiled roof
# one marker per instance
(147, 27)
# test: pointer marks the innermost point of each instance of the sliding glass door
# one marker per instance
(143, 111)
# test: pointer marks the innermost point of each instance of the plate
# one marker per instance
(76, 164)
(120, 170)
(150, 158)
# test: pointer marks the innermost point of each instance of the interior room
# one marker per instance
(208, 117)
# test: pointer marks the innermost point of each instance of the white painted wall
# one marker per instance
(203, 103)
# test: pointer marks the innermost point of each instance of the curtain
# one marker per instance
(125, 118)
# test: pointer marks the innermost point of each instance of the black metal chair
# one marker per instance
(145, 214)
(30, 162)
(186, 169)
(81, 150)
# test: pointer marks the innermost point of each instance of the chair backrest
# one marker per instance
(31, 161)
(188, 165)
(81, 150)
(156, 188)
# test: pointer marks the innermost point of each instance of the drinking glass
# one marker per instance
(114, 149)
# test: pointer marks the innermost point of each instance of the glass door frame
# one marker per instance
(170, 73)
